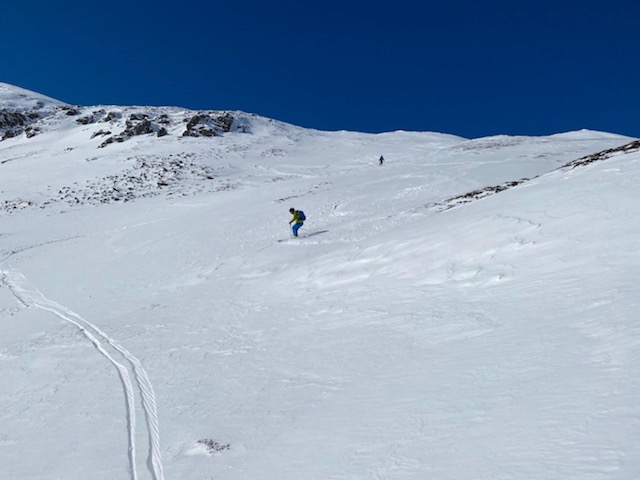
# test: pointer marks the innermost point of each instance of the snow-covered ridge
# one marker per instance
(632, 147)
(21, 109)
(54, 154)
(26, 113)
(119, 124)
(14, 98)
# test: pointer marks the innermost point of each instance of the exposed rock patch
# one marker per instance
(93, 117)
(13, 124)
(580, 162)
(475, 195)
(136, 124)
(175, 175)
(208, 125)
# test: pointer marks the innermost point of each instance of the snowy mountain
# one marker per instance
(467, 310)
(19, 99)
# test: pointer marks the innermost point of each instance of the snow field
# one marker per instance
(494, 340)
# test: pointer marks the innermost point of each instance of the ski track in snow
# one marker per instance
(29, 296)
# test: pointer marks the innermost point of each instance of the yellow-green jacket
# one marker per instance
(296, 218)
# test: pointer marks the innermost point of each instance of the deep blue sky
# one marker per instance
(471, 68)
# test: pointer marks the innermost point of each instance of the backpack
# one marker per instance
(301, 215)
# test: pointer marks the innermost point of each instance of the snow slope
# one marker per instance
(173, 336)
(16, 98)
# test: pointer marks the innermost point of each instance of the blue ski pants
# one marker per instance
(295, 228)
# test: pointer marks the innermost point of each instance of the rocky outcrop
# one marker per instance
(13, 124)
(101, 133)
(475, 195)
(487, 191)
(135, 125)
(208, 125)
(70, 111)
(93, 117)
(124, 122)
(629, 147)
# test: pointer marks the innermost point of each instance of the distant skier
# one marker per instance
(381, 161)
(297, 220)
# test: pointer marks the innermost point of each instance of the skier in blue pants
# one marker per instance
(297, 220)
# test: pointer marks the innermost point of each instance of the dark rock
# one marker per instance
(31, 132)
(110, 140)
(225, 121)
(212, 446)
(629, 147)
(71, 111)
(8, 134)
(100, 133)
(12, 119)
(135, 128)
(206, 125)
(92, 118)
(111, 116)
